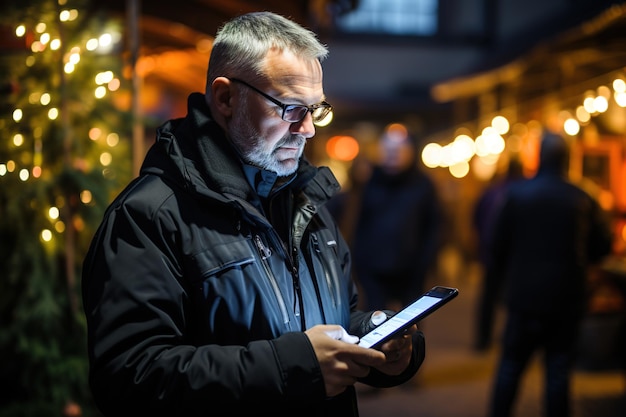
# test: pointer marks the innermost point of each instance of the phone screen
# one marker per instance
(412, 313)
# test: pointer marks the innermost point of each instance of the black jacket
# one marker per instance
(196, 307)
(547, 234)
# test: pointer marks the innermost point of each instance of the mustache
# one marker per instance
(291, 141)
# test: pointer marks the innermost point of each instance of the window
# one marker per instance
(394, 17)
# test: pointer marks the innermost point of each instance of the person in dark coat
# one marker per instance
(218, 284)
(399, 227)
(546, 236)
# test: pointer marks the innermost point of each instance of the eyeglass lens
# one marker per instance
(294, 113)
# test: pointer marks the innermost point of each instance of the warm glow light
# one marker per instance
(95, 133)
(40, 28)
(481, 146)
(24, 174)
(53, 213)
(105, 40)
(55, 44)
(106, 158)
(69, 68)
(3, 170)
(59, 227)
(20, 31)
(86, 197)
(74, 58)
(463, 148)
(37, 46)
(588, 103)
(601, 104)
(431, 155)
(571, 127)
(18, 139)
(604, 91)
(582, 114)
(68, 15)
(459, 170)
(620, 99)
(46, 235)
(501, 124)
(104, 77)
(44, 38)
(79, 224)
(45, 99)
(17, 115)
(100, 92)
(37, 171)
(92, 44)
(113, 139)
(446, 156)
(619, 85)
(493, 142)
(53, 113)
(115, 84)
(342, 148)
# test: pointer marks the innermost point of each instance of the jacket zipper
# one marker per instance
(333, 287)
(265, 253)
(292, 263)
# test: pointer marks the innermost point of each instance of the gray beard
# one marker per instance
(250, 146)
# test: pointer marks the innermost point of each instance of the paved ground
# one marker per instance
(455, 381)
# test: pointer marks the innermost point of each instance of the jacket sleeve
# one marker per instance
(142, 359)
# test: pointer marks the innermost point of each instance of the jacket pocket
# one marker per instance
(238, 286)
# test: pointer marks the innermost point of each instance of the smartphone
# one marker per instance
(409, 315)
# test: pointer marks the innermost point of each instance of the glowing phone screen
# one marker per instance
(404, 316)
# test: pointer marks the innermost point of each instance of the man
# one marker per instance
(399, 230)
(545, 237)
(217, 283)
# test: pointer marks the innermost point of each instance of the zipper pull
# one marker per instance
(316, 243)
(264, 250)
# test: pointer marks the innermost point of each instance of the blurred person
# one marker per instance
(218, 283)
(398, 229)
(546, 237)
(345, 204)
(482, 218)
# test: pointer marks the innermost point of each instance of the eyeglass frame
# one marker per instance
(284, 107)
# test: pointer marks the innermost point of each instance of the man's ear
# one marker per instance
(222, 96)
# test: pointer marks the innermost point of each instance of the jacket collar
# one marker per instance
(204, 160)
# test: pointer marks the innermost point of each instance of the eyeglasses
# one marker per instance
(294, 113)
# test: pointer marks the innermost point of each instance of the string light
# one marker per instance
(490, 144)
(17, 115)
(46, 235)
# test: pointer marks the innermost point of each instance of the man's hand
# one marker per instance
(398, 353)
(341, 361)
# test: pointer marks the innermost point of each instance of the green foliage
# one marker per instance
(60, 163)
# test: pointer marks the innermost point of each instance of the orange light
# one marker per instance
(343, 148)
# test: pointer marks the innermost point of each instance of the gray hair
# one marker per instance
(243, 42)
